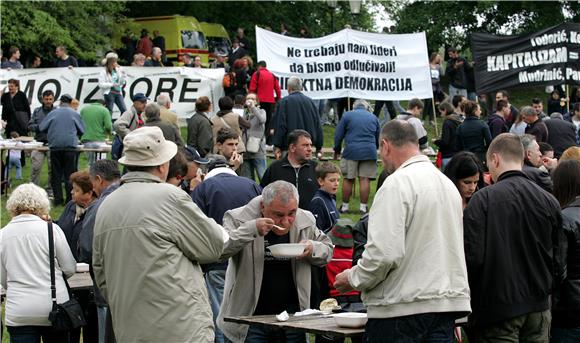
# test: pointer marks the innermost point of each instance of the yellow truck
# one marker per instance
(183, 34)
(217, 38)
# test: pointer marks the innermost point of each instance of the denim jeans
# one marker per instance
(215, 281)
(32, 334)
(91, 155)
(102, 315)
(252, 167)
(424, 328)
(265, 335)
(15, 162)
(565, 335)
(115, 98)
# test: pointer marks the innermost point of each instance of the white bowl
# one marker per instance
(350, 319)
(287, 249)
(82, 267)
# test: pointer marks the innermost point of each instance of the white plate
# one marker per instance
(350, 319)
(287, 249)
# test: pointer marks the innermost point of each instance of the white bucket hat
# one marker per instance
(146, 147)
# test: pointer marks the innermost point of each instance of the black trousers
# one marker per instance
(63, 164)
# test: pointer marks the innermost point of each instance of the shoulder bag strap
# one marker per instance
(51, 257)
(225, 124)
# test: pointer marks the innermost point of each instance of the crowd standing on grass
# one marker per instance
(179, 239)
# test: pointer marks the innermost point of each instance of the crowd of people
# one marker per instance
(178, 238)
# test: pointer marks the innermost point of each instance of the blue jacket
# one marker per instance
(296, 111)
(222, 193)
(323, 207)
(360, 130)
(64, 127)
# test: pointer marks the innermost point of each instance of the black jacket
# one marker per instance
(510, 235)
(539, 176)
(566, 303)
(473, 135)
(296, 111)
(304, 178)
(11, 105)
(561, 135)
(496, 125)
(539, 130)
(448, 142)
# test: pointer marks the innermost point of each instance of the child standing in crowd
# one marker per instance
(14, 158)
(323, 204)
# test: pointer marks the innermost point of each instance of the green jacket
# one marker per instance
(148, 243)
(199, 133)
(97, 121)
(246, 264)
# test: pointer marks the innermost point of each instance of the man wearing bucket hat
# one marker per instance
(149, 241)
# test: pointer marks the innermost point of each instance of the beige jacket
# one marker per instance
(414, 260)
(230, 120)
(149, 241)
(246, 265)
(168, 116)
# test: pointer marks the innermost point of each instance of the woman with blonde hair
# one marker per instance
(111, 82)
(25, 266)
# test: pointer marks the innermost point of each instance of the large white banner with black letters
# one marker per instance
(183, 84)
(350, 63)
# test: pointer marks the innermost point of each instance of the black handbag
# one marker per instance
(68, 315)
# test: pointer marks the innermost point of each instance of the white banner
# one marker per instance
(183, 84)
(351, 63)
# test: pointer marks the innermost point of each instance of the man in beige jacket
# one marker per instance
(412, 274)
(148, 243)
(258, 282)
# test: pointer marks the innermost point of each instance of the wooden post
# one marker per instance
(435, 117)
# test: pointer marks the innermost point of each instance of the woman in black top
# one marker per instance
(15, 109)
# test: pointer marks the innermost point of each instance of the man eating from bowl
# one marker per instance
(259, 283)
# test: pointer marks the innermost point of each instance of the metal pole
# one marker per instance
(568, 94)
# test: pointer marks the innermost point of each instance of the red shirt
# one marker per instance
(265, 86)
(145, 46)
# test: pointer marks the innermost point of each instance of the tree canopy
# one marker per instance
(452, 22)
(37, 27)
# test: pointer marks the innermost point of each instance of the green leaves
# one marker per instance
(37, 27)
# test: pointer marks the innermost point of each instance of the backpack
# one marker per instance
(230, 80)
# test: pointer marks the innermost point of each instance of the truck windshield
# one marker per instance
(218, 44)
(193, 40)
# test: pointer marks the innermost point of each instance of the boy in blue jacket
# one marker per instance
(323, 204)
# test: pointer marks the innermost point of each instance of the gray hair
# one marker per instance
(527, 141)
(294, 84)
(152, 110)
(163, 99)
(108, 170)
(556, 115)
(399, 133)
(156, 50)
(281, 190)
(363, 103)
(528, 111)
(28, 198)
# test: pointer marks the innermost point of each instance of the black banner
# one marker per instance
(548, 57)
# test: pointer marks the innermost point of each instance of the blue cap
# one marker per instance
(140, 97)
(192, 155)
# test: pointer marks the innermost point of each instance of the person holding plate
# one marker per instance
(259, 282)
